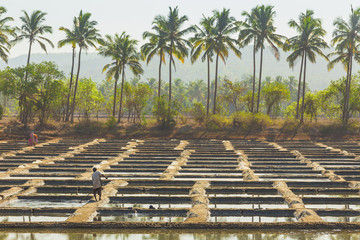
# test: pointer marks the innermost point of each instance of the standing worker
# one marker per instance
(33, 139)
(96, 179)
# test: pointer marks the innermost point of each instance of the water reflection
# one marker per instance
(300, 235)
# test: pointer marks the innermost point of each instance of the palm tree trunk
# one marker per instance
(254, 70)
(216, 81)
(115, 91)
(170, 76)
(208, 88)
(121, 92)
(24, 111)
(75, 89)
(28, 59)
(345, 96)
(29, 53)
(260, 73)
(348, 91)
(70, 85)
(21, 107)
(299, 87)
(159, 86)
(303, 91)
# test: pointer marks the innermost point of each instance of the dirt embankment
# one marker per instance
(12, 129)
(152, 226)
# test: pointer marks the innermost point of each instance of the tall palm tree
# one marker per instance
(204, 42)
(86, 36)
(247, 34)
(111, 49)
(263, 23)
(170, 29)
(122, 50)
(155, 46)
(306, 45)
(346, 37)
(32, 28)
(295, 43)
(70, 39)
(5, 31)
(225, 26)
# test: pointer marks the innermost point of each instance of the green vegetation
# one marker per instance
(122, 50)
(5, 31)
(41, 93)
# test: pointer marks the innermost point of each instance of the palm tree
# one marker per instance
(225, 26)
(203, 41)
(295, 43)
(196, 90)
(70, 39)
(306, 45)
(247, 34)
(263, 23)
(5, 31)
(33, 29)
(122, 50)
(155, 46)
(111, 49)
(86, 35)
(170, 29)
(346, 37)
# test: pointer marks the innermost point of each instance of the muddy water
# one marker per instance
(138, 218)
(32, 218)
(304, 235)
(252, 219)
(37, 203)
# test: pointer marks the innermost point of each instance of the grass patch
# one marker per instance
(88, 127)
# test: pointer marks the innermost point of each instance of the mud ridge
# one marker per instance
(302, 214)
(199, 212)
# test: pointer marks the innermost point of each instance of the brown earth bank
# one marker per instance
(139, 226)
(12, 129)
(179, 231)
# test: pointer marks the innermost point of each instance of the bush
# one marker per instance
(111, 122)
(337, 127)
(216, 122)
(250, 122)
(290, 126)
(183, 119)
(290, 111)
(89, 127)
(198, 113)
(144, 122)
(166, 113)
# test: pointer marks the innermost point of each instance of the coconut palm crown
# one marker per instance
(32, 28)
(5, 32)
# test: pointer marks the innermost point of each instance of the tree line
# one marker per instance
(211, 40)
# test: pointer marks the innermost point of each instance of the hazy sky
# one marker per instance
(136, 16)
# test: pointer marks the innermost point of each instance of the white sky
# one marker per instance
(136, 16)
